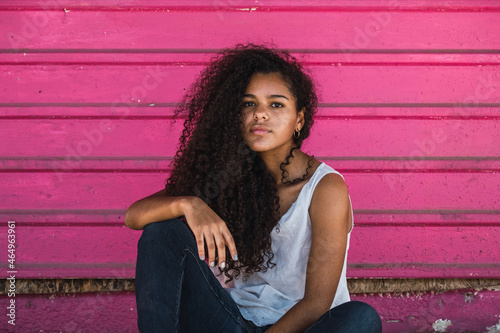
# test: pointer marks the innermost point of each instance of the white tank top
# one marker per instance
(266, 296)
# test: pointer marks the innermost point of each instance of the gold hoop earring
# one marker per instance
(296, 134)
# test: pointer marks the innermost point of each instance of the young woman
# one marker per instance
(250, 234)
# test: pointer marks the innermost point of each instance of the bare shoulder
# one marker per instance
(331, 186)
(330, 201)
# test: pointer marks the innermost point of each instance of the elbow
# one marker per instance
(130, 220)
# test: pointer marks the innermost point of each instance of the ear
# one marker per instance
(300, 117)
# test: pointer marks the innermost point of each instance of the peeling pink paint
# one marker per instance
(468, 310)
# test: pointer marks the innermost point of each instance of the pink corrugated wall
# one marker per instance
(410, 97)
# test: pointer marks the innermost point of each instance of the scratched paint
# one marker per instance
(441, 325)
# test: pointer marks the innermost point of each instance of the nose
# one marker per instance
(260, 113)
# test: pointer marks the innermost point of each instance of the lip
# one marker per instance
(259, 132)
(259, 129)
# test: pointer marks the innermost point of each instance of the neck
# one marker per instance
(296, 168)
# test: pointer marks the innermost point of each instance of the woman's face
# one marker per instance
(269, 103)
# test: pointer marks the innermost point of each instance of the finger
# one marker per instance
(221, 250)
(228, 238)
(209, 239)
(201, 246)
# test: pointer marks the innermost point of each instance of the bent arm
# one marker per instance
(156, 207)
(330, 224)
(205, 224)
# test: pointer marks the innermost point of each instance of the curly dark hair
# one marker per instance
(213, 161)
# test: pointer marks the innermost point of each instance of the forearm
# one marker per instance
(299, 318)
(155, 208)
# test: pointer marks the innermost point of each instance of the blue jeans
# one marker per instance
(177, 292)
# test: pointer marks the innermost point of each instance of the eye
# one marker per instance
(248, 103)
(276, 105)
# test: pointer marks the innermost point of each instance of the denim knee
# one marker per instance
(161, 230)
(166, 235)
(164, 241)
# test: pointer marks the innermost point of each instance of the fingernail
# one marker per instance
(223, 265)
(212, 264)
(235, 257)
(202, 257)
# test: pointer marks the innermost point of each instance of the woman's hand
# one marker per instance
(208, 227)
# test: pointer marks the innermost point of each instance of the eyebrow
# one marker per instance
(270, 96)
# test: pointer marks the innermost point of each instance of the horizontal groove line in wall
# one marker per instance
(317, 117)
(428, 224)
(97, 265)
(382, 165)
(21, 266)
(61, 169)
(426, 211)
(57, 211)
(249, 9)
(402, 170)
(400, 63)
(186, 64)
(58, 117)
(329, 158)
(405, 158)
(71, 57)
(77, 224)
(173, 105)
(408, 105)
(356, 211)
(91, 158)
(210, 51)
(452, 224)
(88, 105)
(388, 218)
(422, 265)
